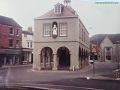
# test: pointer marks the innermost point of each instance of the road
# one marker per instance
(68, 80)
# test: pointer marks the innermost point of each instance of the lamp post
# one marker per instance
(93, 50)
(93, 66)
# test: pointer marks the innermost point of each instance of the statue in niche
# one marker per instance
(54, 30)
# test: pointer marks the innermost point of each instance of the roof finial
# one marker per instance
(67, 2)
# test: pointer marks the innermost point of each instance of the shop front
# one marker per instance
(10, 56)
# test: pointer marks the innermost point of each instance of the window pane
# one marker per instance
(57, 9)
(63, 29)
(28, 44)
(17, 32)
(47, 30)
(10, 42)
(31, 44)
(11, 31)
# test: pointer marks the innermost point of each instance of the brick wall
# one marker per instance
(5, 36)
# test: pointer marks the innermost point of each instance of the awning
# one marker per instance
(10, 51)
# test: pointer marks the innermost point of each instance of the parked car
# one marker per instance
(91, 61)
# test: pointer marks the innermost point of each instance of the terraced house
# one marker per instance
(61, 40)
(10, 41)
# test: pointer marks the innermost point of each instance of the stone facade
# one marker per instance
(60, 52)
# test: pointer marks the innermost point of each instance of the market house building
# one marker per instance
(61, 41)
(10, 41)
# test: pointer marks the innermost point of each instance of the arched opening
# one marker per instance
(63, 58)
(46, 58)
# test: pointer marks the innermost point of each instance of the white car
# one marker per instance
(91, 61)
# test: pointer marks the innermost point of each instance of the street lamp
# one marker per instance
(93, 50)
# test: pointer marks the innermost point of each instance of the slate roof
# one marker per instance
(8, 21)
(26, 32)
(98, 38)
(67, 11)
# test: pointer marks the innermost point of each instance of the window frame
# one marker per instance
(17, 43)
(45, 24)
(57, 9)
(62, 30)
(17, 32)
(10, 43)
(31, 44)
(12, 31)
(25, 35)
(28, 44)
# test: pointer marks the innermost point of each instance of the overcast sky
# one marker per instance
(97, 18)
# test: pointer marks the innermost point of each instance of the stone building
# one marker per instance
(109, 47)
(27, 46)
(61, 41)
(10, 41)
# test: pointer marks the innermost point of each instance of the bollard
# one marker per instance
(73, 68)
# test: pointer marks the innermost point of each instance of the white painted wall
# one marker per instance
(26, 39)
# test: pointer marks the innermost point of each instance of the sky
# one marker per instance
(97, 18)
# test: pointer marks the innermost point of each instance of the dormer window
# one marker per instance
(57, 10)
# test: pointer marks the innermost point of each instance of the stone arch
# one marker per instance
(46, 58)
(63, 57)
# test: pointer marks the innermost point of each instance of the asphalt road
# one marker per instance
(67, 80)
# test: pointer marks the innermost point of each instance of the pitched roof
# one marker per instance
(67, 11)
(27, 32)
(98, 38)
(8, 21)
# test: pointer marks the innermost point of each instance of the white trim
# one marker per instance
(13, 31)
(9, 43)
(46, 30)
(63, 30)
(57, 10)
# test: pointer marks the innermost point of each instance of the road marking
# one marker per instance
(46, 85)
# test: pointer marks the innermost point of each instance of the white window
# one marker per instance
(11, 31)
(47, 29)
(25, 35)
(63, 29)
(17, 43)
(57, 9)
(28, 44)
(11, 42)
(31, 44)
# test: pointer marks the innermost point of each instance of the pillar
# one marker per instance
(30, 54)
(44, 63)
(49, 61)
(39, 62)
(55, 63)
